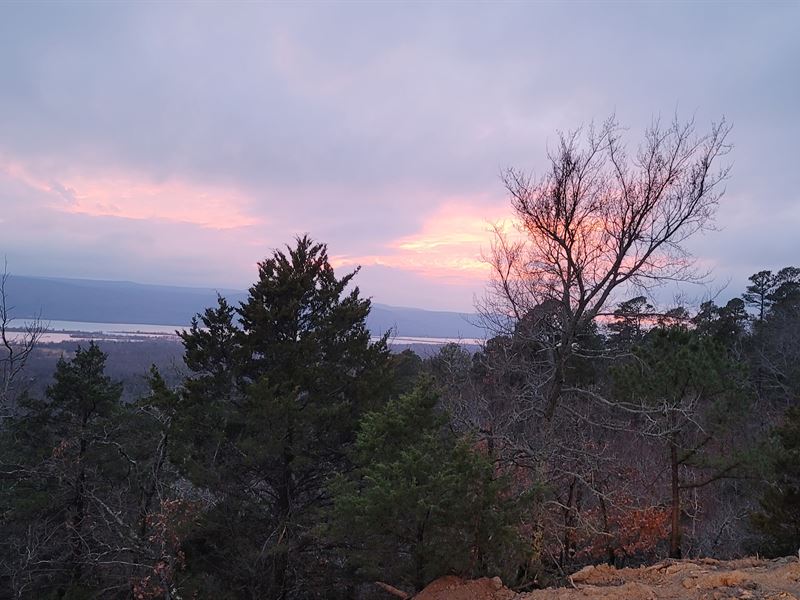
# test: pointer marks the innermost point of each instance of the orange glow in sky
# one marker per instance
(449, 244)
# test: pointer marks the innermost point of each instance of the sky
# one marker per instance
(180, 143)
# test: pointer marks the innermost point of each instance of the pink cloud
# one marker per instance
(124, 195)
(449, 245)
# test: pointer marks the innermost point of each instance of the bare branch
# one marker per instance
(16, 345)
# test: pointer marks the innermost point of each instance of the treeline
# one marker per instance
(126, 361)
(300, 460)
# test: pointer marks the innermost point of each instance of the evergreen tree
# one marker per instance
(212, 395)
(67, 466)
(767, 288)
(82, 400)
(630, 322)
(422, 503)
(276, 390)
(406, 367)
(757, 293)
(148, 431)
(683, 387)
(727, 324)
(775, 343)
(785, 294)
(779, 518)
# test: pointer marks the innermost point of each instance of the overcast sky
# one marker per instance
(179, 143)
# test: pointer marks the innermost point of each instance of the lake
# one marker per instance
(64, 331)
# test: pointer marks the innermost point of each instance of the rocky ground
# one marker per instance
(704, 579)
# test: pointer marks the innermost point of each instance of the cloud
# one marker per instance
(380, 129)
(130, 197)
(449, 245)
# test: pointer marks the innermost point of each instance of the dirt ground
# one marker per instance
(704, 579)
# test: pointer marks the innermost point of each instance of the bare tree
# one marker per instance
(598, 221)
(17, 346)
(598, 224)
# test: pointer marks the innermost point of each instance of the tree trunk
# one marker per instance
(77, 519)
(419, 554)
(675, 536)
(281, 561)
(144, 509)
(569, 524)
(611, 558)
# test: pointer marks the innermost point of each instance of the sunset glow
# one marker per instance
(178, 145)
(346, 299)
(450, 244)
(128, 197)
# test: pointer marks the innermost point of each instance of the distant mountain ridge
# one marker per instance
(100, 301)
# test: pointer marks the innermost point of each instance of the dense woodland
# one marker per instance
(300, 459)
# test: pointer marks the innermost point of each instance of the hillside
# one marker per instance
(127, 302)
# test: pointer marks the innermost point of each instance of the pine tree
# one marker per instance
(683, 387)
(757, 294)
(727, 324)
(775, 350)
(422, 503)
(68, 464)
(630, 322)
(82, 400)
(778, 522)
(768, 288)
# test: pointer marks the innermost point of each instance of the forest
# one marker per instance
(300, 458)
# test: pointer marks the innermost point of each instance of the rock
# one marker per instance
(454, 588)
(584, 574)
(707, 579)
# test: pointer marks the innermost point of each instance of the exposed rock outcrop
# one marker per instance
(703, 579)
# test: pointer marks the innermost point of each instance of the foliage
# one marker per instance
(621, 527)
(631, 320)
(767, 288)
(778, 521)
(682, 386)
(423, 503)
(299, 459)
(775, 343)
(277, 386)
(66, 471)
(726, 324)
(87, 476)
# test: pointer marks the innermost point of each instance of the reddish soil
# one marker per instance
(705, 579)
